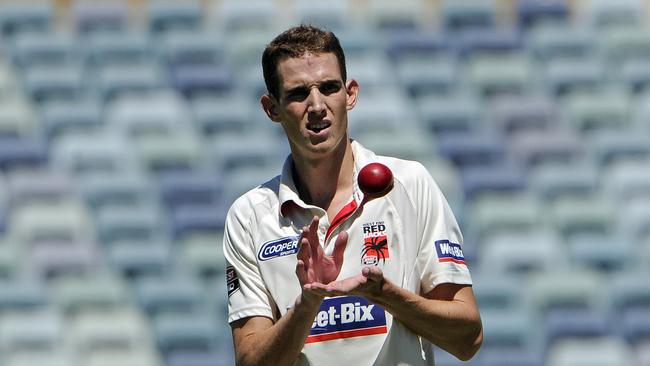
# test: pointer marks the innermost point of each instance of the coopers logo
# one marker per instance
(449, 252)
(347, 317)
(278, 248)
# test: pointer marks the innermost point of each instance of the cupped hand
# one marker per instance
(313, 265)
(368, 284)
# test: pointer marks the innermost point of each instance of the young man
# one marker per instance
(316, 274)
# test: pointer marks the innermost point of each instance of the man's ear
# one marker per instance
(352, 90)
(270, 107)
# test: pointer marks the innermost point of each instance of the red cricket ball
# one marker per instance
(375, 180)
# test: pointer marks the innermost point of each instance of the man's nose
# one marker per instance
(316, 104)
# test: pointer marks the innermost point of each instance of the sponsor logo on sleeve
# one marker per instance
(347, 317)
(278, 248)
(232, 281)
(375, 243)
(449, 252)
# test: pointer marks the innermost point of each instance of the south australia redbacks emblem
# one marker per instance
(375, 243)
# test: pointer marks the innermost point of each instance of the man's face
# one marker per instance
(312, 103)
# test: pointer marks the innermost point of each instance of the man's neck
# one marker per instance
(326, 182)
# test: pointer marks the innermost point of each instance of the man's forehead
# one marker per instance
(309, 67)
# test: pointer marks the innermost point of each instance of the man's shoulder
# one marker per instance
(407, 172)
(263, 195)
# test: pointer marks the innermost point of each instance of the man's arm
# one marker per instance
(447, 316)
(260, 341)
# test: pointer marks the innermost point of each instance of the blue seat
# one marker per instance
(54, 259)
(334, 15)
(388, 112)
(41, 185)
(604, 351)
(609, 147)
(168, 15)
(410, 44)
(180, 188)
(191, 47)
(27, 152)
(113, 81)
(199, 358)
(531, 13)
(188, 220)
(566, 76)
(496, 291)
(193, 80)
(18, 118)
(137, 258)
(103, 189)
(61, 117)
(487, 41)
(387, 16)
(627, 180)
(512, 357)
(233, 152)
(468, 14)
(634, 221)
(222, 114)
(140, 223)
(608, 14)
(472, 149)
(22, 293)
(484, 179)
(20, 17)
(587, 214)
(457, 112)
(635, 325)
(507, 329)
(595, 251)
(188, 331)
(523, 113)
(113, 48)
(609, 109)
(53, 48)
(175, 294)
(534, 148)
(101, 290)
(254, 15)
(60, 82)
(575, 323)
(551, 181)
(561, 41)
(99, 16)
(34, 331)
(427, 77)
(629, 290)
(635, 74)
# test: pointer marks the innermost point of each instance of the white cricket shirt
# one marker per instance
(410, 233)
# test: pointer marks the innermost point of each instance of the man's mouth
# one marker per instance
(317, 127)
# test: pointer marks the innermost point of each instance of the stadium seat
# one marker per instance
(427, 76)
(140, 223)
(202, 256)
(174, 294)
(18, 117)
(22, 293)
(467, 14)
(187, 188)
(492, 75)
(530, 356)
(21, 17)
(170, 16)
(231, 152)
(214, 115)
(373, 71)
(335, 15)
(566, 76)
(520, 253)
(634, 218)
(54, 358)
(116, 48)
(605, 14)
(609, 148)
(629, 290)
(52, 48)
(234, 16)
(513, 114)
(628, 179)
(10, 86)
(240, 181)
(455, 112)
(507, 329)
(556, 180)
(606, 351)
(31, 331)
(626, 43)
(189, 331)
(608, 110)
(531, 13)
(192, 80)
(45, 185)
(565, 324)
(53, 259)
(488, 42)
(198, 219)
(12, 258)
(192, 47)
(594, 251)
(143, 357)
(99, 16)
(573, 215)
(386, 15)
(635, 75)
(97, 291)
(180, 150)
(63, 117)
(496, 290)
(506, 177)
(635, 325)
(113, 81)
(561, 41)
(538, 147)
(51, 221)
(197, 358)
(643, 353)
(472, 149)
(105, 189)
(60, 82)
(138, 258)
(411, 144)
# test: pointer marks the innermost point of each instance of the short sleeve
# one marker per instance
(440, 254)
(247, 295)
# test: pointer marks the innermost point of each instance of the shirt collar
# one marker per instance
(288, 193)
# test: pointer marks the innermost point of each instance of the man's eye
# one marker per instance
(299, 94)
(329, 88)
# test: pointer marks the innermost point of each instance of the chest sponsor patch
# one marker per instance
(232, 281)
(278, 248)
(375, 243)
(449, 252)
(347, 317)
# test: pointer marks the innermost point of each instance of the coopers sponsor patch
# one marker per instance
(347, 317)
(449, 252)
(278, 248)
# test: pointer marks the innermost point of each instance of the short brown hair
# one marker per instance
(295, 42)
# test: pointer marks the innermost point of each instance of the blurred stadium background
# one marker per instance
(128, 127)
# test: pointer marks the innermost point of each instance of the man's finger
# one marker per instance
(373, 273)
(303, 249)
(301, 272)
(339, 249)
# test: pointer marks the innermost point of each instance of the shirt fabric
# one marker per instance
(410, 233)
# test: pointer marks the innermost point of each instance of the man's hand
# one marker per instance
(314, 266)
(368, 284)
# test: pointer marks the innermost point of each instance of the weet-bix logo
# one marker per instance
(278, 248)
(347, 317)
(449, 252)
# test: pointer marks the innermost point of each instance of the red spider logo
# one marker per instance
(378, 245)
